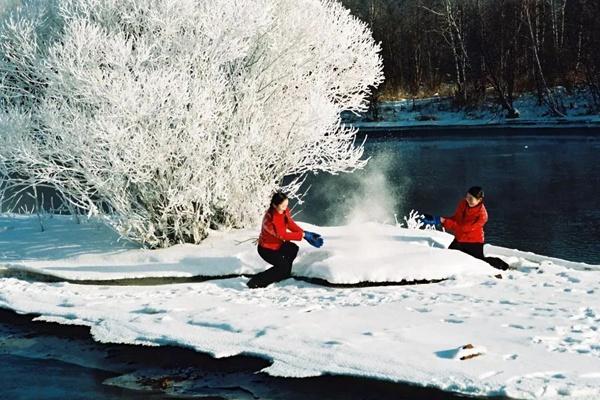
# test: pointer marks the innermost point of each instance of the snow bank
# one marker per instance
(352, 254)
(439, 112)
(535, 332)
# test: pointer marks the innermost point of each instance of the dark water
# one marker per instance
(50, 361)
(542, 186)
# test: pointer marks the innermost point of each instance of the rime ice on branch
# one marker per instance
(171, 117)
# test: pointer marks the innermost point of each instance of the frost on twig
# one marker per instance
(169, 118)
(414, 220)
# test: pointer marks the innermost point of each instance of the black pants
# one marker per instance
(476, 250)
(281, 260)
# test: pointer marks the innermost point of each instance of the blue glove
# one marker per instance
(313, 238)
(429, 219)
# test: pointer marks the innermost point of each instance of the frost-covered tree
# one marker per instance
(172, 117)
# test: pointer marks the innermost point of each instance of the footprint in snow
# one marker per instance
(217, 326)
(422, 309)
(568, 277)
(149, 311)
(261, 332)
(310, 309)
(518, 326)
(453, 321)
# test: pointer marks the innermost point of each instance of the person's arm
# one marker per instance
(450, 223)
(291, 224)
(281, 229)
(314, 239)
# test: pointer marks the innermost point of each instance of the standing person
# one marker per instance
(275, 242)
(467, 225)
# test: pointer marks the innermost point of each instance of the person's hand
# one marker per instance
(429, 219)
(314, 239)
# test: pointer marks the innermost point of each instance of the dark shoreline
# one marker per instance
(33, 276)
(473, 131)
(204, 375)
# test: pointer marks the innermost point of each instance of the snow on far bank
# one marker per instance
(438, 112)
(352, 254)
(535, 332)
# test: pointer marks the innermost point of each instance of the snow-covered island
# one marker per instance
(534, 328)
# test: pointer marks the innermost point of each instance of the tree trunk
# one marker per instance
(549, 98)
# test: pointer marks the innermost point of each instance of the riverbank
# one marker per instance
(520, 130)
(439, 112)
(70, 364)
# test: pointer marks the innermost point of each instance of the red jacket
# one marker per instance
(275, 229)
(467, 222)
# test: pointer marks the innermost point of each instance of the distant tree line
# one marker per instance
(472, 49)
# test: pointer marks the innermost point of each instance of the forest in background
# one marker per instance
(482, 50)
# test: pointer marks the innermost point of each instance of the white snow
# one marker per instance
(357, 253)
(438, 112)
(536, 329)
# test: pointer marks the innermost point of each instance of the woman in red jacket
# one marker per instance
(275, 242)
(467, 223)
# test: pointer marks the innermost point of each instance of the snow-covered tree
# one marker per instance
(171, 117)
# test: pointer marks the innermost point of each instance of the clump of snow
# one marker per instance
(384, 253)
(469, 351)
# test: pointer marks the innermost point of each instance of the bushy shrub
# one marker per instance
(171, 117)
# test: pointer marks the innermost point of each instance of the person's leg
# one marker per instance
(472, 249)
(262, 279)
(290, 251)
(497, 263)
(282, 265)
(283, 269)
(455, 246)
(476, 250)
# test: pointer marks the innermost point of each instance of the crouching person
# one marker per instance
(467, 226)
(275, 244)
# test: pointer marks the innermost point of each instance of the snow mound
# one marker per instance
(382, 253)
(352, 254)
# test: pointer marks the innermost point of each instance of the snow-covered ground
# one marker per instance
(534, 329)
(438, 111)
(359, 253)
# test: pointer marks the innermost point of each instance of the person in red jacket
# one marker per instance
(275, 242)
(467, 226)
(467, 223)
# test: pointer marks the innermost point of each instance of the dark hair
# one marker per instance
(476, 191)
(277, 199)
